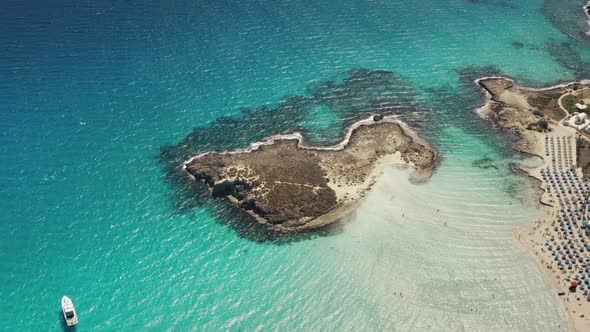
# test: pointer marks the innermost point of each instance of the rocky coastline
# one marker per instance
(288, 186)
(526, 112)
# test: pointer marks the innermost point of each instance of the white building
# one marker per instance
(578, 120)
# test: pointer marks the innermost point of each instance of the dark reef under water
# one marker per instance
(351, 96)
(568, 17)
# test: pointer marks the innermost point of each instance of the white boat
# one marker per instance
(67, 307)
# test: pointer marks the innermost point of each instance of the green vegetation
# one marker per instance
(569, 103)
(546, 104)
(541, 125)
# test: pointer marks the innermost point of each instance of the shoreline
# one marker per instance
(301, 139)
(543, 89)
(532, 237)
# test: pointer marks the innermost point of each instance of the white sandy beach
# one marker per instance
(533, 237)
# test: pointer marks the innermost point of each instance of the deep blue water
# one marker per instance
(91, 92)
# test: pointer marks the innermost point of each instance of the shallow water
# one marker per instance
(447, 246)
(91, 91)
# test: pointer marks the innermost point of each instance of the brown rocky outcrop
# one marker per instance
(289, 186)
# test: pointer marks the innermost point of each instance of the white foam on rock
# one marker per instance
(301, 143)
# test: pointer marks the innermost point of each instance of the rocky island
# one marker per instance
(292, 187)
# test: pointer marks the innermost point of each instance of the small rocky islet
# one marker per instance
(292, 187)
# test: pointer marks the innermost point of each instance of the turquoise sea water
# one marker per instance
(91, 92)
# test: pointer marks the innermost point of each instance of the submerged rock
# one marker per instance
(517, 44)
